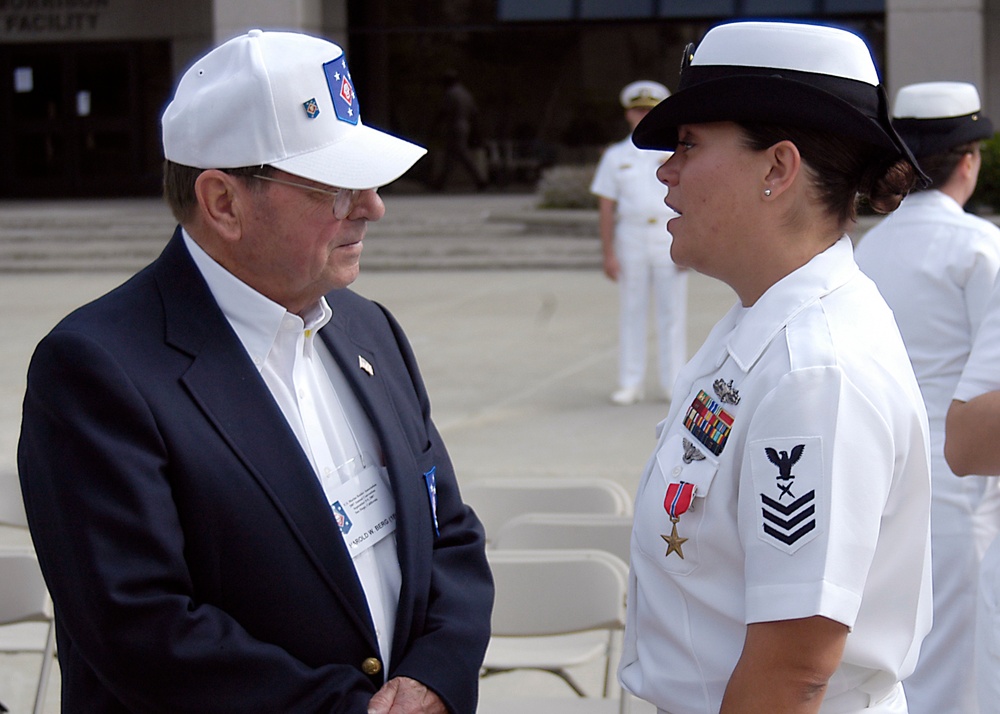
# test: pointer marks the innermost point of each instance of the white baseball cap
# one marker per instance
(644, 93)
(284, 99)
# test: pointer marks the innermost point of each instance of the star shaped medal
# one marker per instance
(676, 502)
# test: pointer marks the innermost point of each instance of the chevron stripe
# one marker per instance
(790, 538)
(791, 507)
(791, 522)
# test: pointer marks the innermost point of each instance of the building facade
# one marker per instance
(86, 80)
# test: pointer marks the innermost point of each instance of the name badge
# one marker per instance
(364, 509)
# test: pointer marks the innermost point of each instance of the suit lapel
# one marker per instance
(414, 527)
(223, 381)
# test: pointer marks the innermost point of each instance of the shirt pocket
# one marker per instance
(675, 546)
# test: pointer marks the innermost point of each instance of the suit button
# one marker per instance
(371, 666)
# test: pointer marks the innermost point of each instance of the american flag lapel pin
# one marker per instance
(366, 366)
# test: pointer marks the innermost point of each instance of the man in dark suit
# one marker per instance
(236, 492)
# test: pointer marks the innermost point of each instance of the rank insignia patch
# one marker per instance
(787, 474)
(708, 422)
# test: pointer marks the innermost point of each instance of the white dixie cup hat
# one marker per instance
(283, 99)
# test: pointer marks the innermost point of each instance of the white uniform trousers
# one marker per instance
(988, 632)
(646, 271)
(944, 680)
(894, 702)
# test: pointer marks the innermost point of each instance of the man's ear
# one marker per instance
(222, 201)
(785, 166)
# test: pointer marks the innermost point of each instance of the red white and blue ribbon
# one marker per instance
(678, 499)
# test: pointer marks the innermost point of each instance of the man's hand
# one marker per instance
(402, 695)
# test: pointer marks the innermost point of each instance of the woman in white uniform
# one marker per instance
(972, 447)
(935, 266)
(781, 547)
(636, 249)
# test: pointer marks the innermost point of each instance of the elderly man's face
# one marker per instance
(295, 249)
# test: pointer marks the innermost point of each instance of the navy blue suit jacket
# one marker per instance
(192, 557)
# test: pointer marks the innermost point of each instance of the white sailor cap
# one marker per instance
(810, 76)
(933, 117)
(644, 93)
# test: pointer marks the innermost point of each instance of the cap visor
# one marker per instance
(365, 158)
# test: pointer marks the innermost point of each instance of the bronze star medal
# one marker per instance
(676, 501)
(674, 541)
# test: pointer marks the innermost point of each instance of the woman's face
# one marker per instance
(715, 183)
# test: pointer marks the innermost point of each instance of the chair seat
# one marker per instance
(546, 652)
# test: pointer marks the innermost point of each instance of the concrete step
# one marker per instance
(418, 232)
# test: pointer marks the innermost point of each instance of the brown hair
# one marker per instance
(846, 170)
(939, 167)
(179, 180)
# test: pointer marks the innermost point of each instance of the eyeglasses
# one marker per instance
(345, 200)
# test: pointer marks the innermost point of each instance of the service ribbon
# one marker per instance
(678, 499)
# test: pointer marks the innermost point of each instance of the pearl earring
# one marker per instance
(767, 192)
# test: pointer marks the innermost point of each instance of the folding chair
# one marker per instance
(11, 506)
(596, 531)
(498, 500)
(555, 609)
(24, 598)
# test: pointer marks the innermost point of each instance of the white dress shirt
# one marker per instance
(813, 376)
(319, 406)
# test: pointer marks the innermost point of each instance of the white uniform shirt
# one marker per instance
(627, 174)
(935, 266)
(801, 427)
(321, 409)
(982, 375)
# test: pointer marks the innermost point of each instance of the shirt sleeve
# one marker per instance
(982, 273)
(817, 468)
(981, 373)
(605, 183)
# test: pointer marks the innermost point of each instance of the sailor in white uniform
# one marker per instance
(781, 547)
(636, 249)
(972, 447)
(935, 265)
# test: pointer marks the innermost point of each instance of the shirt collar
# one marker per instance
(933, 199)
(256, 319)
(757, 326)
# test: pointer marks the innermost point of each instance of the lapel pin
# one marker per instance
(366, 366)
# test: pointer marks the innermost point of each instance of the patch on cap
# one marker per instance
(312, 108)
(345, 101)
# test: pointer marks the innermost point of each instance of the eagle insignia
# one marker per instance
(691, 453)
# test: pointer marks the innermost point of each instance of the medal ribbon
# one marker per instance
(678, 499)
